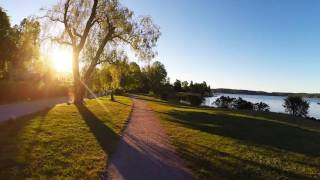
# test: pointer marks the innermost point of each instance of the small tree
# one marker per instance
(155, 77)
(177, 86)
(224, 102)
(296, 106)
(185, 86)
(261, 106)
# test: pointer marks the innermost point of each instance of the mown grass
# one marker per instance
(227, 144)
(66, 141)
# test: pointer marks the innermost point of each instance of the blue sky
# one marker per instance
(271, 45)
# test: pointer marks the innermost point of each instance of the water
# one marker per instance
(275, 102)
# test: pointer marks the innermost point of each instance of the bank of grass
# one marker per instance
(227, 144)
(66, 141)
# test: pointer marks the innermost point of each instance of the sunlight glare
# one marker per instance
(62, 59)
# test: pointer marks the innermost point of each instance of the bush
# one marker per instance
(195, 100)
(261, 106)
(167, 92)
(224, 102)
(229, 102)
(296, 106)
(242, 104)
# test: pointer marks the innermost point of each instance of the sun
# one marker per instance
(62, 60)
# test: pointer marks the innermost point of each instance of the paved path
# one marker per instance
(14, 110)
(144, 151)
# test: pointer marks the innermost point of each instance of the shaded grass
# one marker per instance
(66, 141)
(226, 144)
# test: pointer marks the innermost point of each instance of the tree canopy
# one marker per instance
(6, 43)
(296, 106)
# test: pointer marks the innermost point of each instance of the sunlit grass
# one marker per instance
(63, 142)
(226, 144)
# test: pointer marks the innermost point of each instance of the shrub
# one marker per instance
(195, 100)
(261, 106)
(224, 102)
(242, 104)
(296, 106)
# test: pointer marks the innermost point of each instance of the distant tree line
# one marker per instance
(294, 105)
(250, 92)
(124, 76)
(239, 103)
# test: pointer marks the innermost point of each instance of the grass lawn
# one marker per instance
(62, 142)
(226, 144)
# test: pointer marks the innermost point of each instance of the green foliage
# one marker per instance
(27, 44)
(177, 86)
(261, 106)
(155, 77)
(296, 106)
(167, 91)
(7, 47)
(19, 47)
(224, 102)
(201, 88)
(195, 100)
(242, 104)
(130, 77)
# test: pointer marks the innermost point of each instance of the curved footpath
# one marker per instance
(15, 110)
(144, 151)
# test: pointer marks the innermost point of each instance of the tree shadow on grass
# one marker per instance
(105, 136)
(10, 143)
(254, 131)
(12, 127)
(229, 166)
(121, 102)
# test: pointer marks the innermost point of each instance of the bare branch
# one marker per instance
(52, 18)
(123, 39)
(76, 33)
(65, 20)
(60, 41)
(106, 60)
(88, 25)
(57, 40)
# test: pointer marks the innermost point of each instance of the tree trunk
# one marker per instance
(77, 85)
(111, 95)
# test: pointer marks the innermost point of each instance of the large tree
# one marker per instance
(103, 25)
